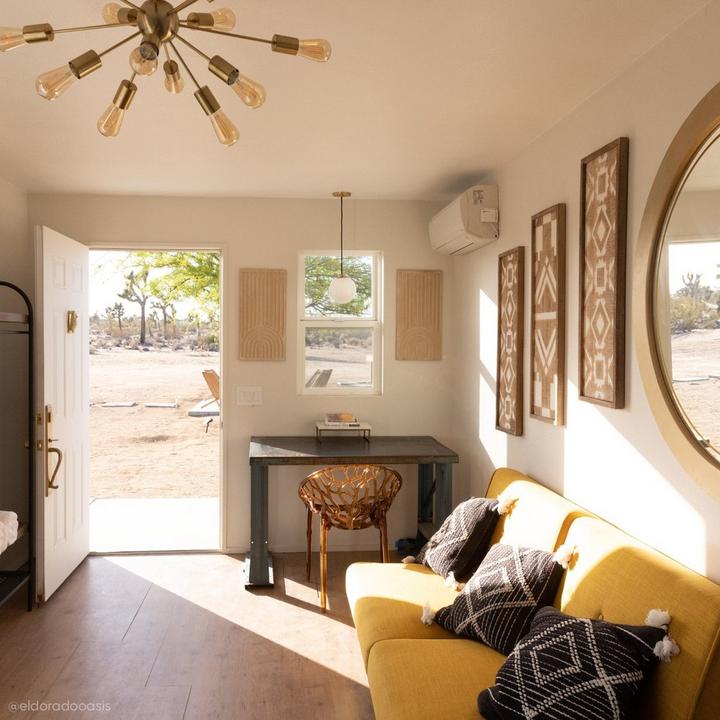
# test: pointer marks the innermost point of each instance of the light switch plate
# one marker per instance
(249, 396)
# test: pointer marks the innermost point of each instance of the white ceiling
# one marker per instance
(420, 98)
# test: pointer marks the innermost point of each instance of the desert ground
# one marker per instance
(140, 452)
(696, 375)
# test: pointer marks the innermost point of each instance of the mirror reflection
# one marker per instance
(687, 303)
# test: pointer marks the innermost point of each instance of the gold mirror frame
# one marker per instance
(687, 146)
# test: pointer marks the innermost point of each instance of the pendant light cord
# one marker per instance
(342, 227)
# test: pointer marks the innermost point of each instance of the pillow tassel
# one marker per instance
(409, 560)
(505, 502)
(428, 615)
(658, 619)
(451, 582)
(666, 649)
(564, 555)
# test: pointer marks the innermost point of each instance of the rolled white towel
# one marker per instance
(3, 539)
(9, 523)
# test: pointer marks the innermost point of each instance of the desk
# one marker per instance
(434, 463)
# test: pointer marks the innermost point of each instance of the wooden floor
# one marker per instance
(179, 637)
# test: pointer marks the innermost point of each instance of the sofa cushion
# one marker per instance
(574, 669)
(500, 600)
(387, 599)
(619, 579)
(430, 679)
(460, 543)
(540, 518)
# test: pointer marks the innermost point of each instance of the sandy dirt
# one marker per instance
(141, 452)
(696, 374)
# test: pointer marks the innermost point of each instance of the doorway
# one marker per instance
(155, 430)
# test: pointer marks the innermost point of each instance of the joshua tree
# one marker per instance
(137, 290)
(116, 312)
(164, 299)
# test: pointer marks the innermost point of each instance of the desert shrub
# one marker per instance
(686, 313)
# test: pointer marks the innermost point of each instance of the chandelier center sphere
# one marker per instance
(158, 19)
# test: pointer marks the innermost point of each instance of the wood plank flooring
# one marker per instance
(178, 637)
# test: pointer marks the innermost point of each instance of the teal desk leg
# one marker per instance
(258, 565)
(443, 492)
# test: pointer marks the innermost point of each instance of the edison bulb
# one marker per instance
(111, 121)
(318, 50)
(140, 65)
(111, 13)
(250, 92)
(52, 84)
(224, 19)
(11, 38)
(226, 132)
(342, 290)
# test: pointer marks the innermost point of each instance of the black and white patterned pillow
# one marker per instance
(500, 600)
(460, 543)
(569, 668)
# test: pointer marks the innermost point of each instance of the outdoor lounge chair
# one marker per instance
(213, 382)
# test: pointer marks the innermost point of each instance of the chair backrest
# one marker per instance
(320, 378)
(213, 382)
(351, 496)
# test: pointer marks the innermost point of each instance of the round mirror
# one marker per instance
(686, 303)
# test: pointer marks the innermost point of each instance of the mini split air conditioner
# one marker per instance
(468, 223)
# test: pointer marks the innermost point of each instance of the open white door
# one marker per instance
(63, 412)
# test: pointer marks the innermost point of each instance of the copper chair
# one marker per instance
(348, 497)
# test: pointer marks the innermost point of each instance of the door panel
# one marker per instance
(63, 412)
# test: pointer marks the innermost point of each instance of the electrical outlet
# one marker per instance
(249, 396)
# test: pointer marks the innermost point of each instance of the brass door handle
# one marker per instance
(51, 481)
(50, 478)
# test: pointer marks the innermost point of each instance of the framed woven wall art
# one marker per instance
(511, 326)
(418, 317)
(603, 238)
(547, 316)
(263, 298)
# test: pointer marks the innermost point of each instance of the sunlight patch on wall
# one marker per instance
(607, 473)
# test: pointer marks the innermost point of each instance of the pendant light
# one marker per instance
(342, 289)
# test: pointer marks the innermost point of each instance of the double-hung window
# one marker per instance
(340, 346)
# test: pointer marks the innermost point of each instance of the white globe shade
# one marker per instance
(342, 290)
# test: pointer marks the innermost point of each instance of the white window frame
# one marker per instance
(373, 322)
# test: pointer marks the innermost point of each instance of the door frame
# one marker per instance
(222, 251)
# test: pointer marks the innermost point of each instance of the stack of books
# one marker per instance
(341, 420)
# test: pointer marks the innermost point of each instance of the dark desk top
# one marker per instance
(389, 450)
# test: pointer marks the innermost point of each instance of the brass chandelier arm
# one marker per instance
(192, 47)
(226, 34)
(90, 27)
(117, 45)
(183, 63)
(132, 5)
(183, 5)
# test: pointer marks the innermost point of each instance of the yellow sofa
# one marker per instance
(426, 673)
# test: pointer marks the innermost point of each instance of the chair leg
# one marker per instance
(309, 542)
(384, 551)
(324, 529)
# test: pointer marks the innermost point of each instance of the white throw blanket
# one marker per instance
(8, 529)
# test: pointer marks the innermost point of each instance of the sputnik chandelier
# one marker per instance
(159, 24)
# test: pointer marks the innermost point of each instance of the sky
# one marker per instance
(107, 271)
(700, 257)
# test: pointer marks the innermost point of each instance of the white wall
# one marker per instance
(16, 267)
(271, 233)
(614, 462)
